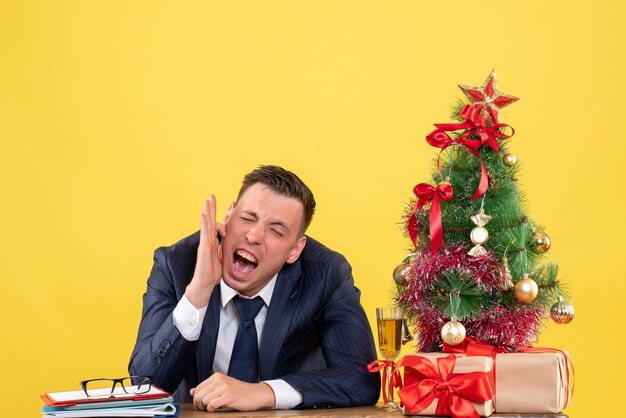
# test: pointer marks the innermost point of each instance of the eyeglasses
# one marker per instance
(114, 388)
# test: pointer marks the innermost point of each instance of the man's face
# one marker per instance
(262, 234)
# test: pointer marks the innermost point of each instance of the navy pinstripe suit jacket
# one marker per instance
(316, 335)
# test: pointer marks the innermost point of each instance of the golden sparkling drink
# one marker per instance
(389, 335)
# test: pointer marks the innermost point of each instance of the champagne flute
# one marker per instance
(389, 320)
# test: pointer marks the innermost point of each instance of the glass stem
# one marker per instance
(389, 384)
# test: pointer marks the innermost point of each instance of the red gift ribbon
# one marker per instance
(473, 125)
(385, 366)
(427, 193)
(472, 347)
(455, 391)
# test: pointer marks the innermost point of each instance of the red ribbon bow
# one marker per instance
(395, 380)
(455, 392)
(473, 125)
(426, 193)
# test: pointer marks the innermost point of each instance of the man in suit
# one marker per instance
(198, 340)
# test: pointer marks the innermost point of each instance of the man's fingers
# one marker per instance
(206, 209)
(204, 384)
(213, 401)
(197, 404)
(204, 227)
(209, 228)
(212, 211)
(221, 229)
(208, 394)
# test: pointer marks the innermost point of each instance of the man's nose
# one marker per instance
(255, 234)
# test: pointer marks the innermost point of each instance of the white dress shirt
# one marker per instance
(188, 319)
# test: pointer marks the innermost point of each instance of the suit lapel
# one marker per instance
(284, 300)
(208, 338)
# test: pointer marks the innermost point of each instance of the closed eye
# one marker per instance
(277, 233)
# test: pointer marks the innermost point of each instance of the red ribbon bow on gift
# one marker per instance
(455, 391)
(395, 380)
(426, 193)
(473, 125)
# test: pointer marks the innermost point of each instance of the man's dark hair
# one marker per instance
(284, 183)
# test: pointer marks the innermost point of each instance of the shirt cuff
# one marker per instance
(188, 319)
(286, 396)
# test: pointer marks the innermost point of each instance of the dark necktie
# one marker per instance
(244, 361)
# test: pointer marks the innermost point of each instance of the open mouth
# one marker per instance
(244, 263)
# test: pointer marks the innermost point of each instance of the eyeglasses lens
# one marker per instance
(136, 384)
(133, 385)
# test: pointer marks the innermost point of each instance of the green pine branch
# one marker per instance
(456, 295)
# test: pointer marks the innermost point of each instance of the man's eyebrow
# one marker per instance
(276, 222)
(250, 213)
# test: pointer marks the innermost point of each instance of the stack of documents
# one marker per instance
(155, 403)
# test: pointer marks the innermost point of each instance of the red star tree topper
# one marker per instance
(489, 98)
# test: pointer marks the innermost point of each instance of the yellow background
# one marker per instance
(118, 117)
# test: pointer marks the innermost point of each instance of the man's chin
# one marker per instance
(237, 282)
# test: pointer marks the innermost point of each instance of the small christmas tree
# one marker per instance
(478, 267)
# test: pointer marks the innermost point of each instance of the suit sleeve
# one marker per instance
(160, 350)
(348, 346)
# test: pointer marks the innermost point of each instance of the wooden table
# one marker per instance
(355, 412)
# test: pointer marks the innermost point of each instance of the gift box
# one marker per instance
(447, 384)
(533, 382)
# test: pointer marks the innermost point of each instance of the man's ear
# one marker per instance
(297, 249)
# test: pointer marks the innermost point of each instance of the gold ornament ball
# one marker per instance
(509, 160)
(526, 289)
(562, 312)
(479, 235)
(401, 274)
(453, 332)
(541, 242)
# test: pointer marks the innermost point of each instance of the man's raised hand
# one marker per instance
(208, 271)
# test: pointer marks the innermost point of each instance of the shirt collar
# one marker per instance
(228, 292)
